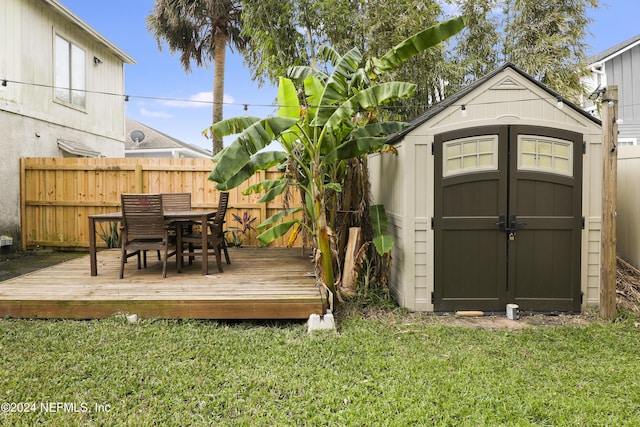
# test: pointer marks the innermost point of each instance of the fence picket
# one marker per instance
(59, 194)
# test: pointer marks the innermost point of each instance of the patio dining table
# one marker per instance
(197, 215)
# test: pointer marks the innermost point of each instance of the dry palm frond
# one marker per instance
(628, 286)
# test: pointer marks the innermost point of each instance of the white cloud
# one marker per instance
(201, 99)
(158, 114)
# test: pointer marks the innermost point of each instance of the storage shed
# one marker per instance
(494, 197)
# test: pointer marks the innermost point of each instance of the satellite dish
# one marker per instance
(137, 136)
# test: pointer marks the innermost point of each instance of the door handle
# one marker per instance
(502, 222)
(513, 223)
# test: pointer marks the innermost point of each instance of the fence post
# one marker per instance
(608, 256)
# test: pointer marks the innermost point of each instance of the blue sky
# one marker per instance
(157, 82)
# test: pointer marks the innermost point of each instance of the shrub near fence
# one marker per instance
(59, 194)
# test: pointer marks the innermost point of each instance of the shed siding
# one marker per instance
(523, 106)
(592, 293)
(383, 169)
(422, 189)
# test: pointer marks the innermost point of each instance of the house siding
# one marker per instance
(623, 70)
(32, 120)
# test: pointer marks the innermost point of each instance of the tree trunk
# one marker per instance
(323, 238)
(219, 54)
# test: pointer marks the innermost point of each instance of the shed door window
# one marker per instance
(469, 155)
(69, 73)
(542, 154)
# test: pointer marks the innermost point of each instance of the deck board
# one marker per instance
(260, 283)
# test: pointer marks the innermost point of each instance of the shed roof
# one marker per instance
(453, 99)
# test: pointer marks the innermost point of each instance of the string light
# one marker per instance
(245, 106)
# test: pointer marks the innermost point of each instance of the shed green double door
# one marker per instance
(508, 219)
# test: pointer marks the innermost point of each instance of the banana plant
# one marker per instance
(323, 120)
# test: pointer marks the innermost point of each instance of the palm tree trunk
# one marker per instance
(219, 54)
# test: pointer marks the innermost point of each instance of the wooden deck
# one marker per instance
(260, 283)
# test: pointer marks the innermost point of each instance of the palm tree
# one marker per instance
(200, 30)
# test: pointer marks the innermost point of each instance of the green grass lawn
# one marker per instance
(393, 369)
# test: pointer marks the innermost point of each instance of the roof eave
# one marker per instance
(166, 150)
(96, 35)
(449, 101)
(624, 47)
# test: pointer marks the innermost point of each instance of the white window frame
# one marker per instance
(446, 172)
(553, 141)
(70, 74)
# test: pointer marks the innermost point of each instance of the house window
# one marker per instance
(469, 155)
(542, 154)
(69, 73)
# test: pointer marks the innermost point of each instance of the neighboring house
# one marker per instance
(61, 93)
(143, 141)
(494, 197)
(619, 65)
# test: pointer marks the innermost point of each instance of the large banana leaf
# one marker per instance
(336, 89)
(355, 148)
(277, 217)
(379, 129)
(264, 185)
(329, 55)
(259, 161)
(274, 192)
(382, 241)
(372, 97)
(276, 232)
(289, 107)
(253, 138)
(232, 126)
(338, 83)
(288, 99)
(419, 42)
(299, 73)
(363, 140)
(313, 88)
(325, 53)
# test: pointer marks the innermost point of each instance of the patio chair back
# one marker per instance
(143, 216)
(176, 201)
(217, 226)
(215, 238)
(222, 208)
(143, 228)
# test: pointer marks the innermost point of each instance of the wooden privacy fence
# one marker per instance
(59, 194)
